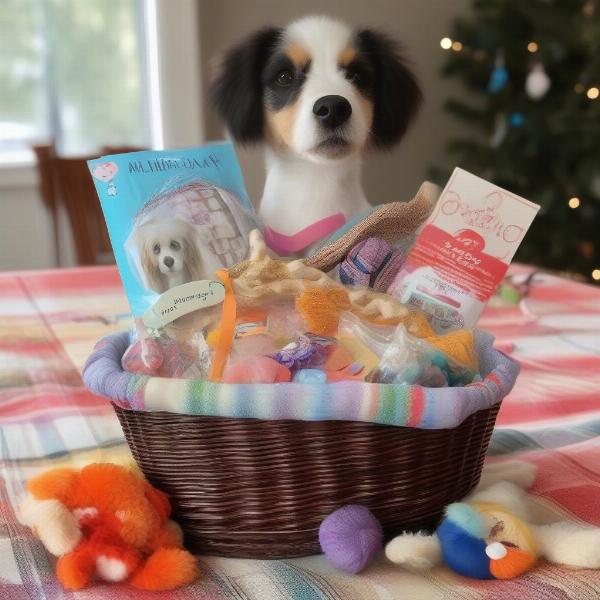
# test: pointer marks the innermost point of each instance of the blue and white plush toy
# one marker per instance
(485, 541)
(492, 535)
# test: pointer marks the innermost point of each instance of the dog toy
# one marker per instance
(392, 222)
(160, 357)
(350, 538)
(388, 270)
(262, 279)
(371, 263)
(106, 521)
(362, 263)
(304, 352)
(458, 345)
(490, 535)
(472, 548)
(310, 376)
(259, 369)
(321, 309)
(410, 360)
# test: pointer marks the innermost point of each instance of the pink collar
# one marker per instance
(285, 245)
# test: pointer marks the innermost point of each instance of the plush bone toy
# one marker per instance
(106, 521)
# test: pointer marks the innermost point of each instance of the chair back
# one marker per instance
(78, 195)
(67, 180)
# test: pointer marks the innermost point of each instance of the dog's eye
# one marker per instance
(156, 249)
(353, 76)
(358, 75)
(285, 77)
(174, 245)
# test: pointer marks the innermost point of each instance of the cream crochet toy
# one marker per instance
(503, 487)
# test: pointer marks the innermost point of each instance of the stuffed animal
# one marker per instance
(106, 521)
(492, 535)
(486, 541)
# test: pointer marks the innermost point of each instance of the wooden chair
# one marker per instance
(67, 181)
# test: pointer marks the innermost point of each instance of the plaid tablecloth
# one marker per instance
(49, 321)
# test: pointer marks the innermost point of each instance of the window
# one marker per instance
(72, 71)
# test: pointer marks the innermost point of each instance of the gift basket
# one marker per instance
(264, 398)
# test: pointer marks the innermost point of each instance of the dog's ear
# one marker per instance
(193, 259)
(154, 277)
(396, 93)
(236, 89)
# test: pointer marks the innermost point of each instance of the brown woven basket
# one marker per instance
(260, 489)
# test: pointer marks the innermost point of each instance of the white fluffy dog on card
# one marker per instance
(565, 543)
(169, 253)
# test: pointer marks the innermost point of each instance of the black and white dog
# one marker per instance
(318, 94)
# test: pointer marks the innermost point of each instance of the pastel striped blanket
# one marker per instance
(50, 320)
(402, 405)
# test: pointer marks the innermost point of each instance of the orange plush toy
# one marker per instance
(105, 521)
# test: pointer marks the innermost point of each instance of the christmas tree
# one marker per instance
(531, 113)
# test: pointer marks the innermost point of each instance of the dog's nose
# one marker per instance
(332, 111)
(168, 260)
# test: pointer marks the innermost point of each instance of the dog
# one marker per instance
(317, 93)
(169, 254)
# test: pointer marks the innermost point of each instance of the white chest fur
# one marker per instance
(299, 192)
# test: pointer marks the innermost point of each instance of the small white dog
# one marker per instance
(169, 253)
(317, 93)
(563, 542)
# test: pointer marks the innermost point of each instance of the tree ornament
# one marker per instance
(517, 120)
(538, 83)
(589, 8)
(500, 131)
(499, 76)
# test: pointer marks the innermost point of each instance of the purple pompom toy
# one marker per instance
(350, 538)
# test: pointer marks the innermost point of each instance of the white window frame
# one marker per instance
(172, 82)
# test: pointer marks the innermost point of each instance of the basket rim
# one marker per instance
(385, 404)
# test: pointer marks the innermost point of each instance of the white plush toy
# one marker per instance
(502, 486)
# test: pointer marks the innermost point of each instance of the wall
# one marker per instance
(25, 230)
(26, 238)
(419, 24)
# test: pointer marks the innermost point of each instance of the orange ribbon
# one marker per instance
(226, 329)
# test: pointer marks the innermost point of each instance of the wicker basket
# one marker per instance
(259, 489)
(250, 487)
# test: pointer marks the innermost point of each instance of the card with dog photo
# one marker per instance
(173, 216)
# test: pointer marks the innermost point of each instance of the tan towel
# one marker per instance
(390, 222)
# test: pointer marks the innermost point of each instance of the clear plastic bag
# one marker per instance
(410, 360)
(158, 354)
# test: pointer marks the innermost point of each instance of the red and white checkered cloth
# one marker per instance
(49, 321)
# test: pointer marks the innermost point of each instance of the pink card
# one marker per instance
(463, 251)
